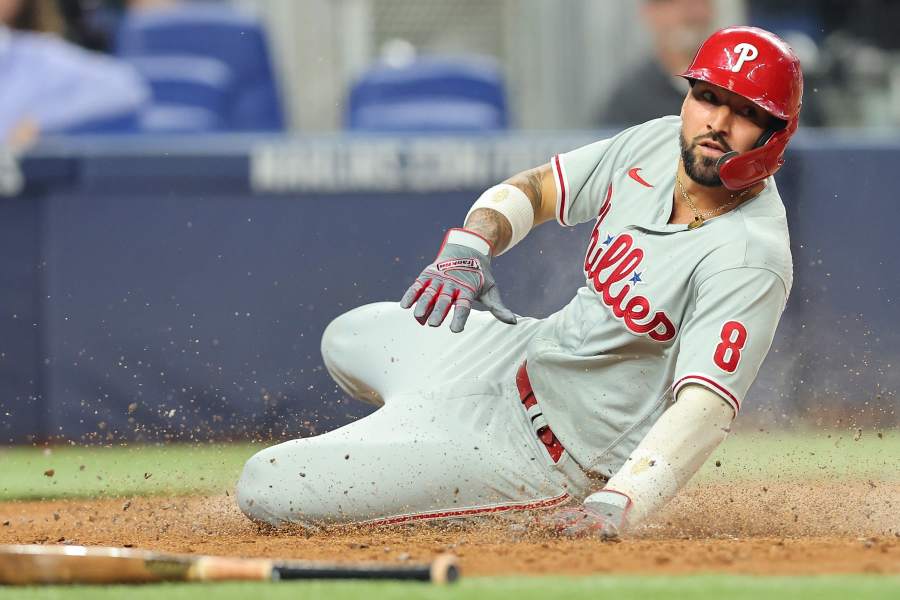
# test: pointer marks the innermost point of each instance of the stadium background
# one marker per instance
(168, 269)
(165, 285)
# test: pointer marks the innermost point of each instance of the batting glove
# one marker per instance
(460, 274)
(601, 516)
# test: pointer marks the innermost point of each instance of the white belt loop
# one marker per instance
(533, 411)
(538, 423)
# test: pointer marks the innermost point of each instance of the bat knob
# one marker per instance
(444, 569)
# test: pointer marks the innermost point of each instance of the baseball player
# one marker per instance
(601, 412)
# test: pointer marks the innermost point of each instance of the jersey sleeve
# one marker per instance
(724, 341)
(583, 176)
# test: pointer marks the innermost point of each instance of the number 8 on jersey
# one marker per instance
(728, 352)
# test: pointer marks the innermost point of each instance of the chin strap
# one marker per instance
(725, 158)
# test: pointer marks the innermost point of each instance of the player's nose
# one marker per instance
(720, 119)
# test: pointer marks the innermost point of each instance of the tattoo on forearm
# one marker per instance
(492, 226)
(531, 184)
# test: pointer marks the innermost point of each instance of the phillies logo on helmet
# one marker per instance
(745, 52)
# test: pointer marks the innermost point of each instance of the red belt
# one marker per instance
(544, 433)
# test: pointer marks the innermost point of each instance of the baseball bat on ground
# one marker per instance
(35, 564)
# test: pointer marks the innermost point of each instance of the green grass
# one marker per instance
(214, 468)
(713, 587)
(120, 471)
(788, 456)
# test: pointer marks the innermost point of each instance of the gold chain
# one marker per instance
(701, 216)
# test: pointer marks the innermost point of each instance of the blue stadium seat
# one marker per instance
(208, 66)
(118, 124)
(430, 94)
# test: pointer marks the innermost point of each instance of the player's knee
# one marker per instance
(341, 353)
(257, 489)
(344, 333)
(271, 492)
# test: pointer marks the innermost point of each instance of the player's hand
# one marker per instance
(579, 522)
(460, 274)
(602, 516)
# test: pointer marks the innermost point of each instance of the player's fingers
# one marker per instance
(460, 314)
(491, 299)
(571, 531)
(575, 531)
(609, 536)
(426, 302)
(414, 291)
(559, 519)
(608, 533)
(442, 306)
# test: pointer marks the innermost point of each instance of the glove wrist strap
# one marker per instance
(611, 504)
(469, 239)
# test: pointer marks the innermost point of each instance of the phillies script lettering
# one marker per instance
(618, 261)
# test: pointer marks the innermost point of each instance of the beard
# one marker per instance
(701, 169)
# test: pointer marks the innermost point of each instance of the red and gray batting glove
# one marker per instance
(460, 274)
(601, 516)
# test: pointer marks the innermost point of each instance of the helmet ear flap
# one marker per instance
(740, 170)
(771, 131)
(765, 137)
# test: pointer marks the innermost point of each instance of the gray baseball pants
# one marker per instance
(450, 438)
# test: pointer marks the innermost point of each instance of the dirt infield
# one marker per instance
(743, 528)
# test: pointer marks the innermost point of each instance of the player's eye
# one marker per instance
(708, 96)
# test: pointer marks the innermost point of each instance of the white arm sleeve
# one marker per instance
(672, 451)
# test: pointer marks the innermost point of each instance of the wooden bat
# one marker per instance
(35, 564)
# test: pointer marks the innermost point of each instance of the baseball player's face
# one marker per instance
(716, 121)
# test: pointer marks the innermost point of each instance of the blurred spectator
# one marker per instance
(92, 24)
(653, 89)
(874, 21)
(89, 23)
(50, 85)
(849, 55)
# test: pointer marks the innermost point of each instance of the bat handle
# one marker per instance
(444, 569)
(217, 568)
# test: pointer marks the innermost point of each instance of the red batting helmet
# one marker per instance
(761, 67)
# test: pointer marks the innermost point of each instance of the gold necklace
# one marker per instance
(701, 216)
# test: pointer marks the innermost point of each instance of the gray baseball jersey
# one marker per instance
(663, 305)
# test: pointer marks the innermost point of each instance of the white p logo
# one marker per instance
(745, 52)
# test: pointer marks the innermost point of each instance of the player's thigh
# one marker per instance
(407, 460)
(379, 349)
